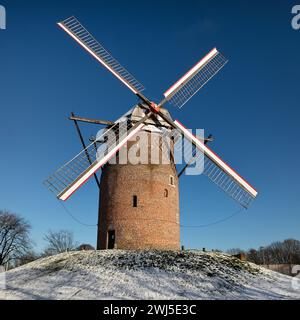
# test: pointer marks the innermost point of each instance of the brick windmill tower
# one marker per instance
(139, 206)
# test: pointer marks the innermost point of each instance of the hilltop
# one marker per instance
(118, 274)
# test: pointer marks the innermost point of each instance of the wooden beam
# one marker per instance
(105, 122)
(84, 146)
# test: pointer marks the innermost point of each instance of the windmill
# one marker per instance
(139, 206)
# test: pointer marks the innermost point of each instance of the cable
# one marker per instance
(74, 218)
(182, 226)
(215, 222)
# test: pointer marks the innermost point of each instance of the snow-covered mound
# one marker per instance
(118, 274)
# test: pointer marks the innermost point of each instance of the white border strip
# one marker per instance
(96, 57)
(199, 65)
(93, 168)
(216, 159)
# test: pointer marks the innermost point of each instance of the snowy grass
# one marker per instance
(118, 274)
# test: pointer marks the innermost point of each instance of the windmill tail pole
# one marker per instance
(84, 146)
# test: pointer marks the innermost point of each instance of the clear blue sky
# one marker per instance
(251, 107)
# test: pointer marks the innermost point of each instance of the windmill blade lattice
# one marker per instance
(79, 33)
(74, 173)
(225, 182)
(220, 172)
(213, 171)
(185, 88)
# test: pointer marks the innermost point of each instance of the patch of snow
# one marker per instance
(119, 274)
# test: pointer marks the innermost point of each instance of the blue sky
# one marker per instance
(251, 107)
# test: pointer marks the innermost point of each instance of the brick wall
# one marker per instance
(154, 223)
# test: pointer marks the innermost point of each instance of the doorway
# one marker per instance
(111, 239)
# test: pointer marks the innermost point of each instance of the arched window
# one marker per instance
(166, 193)
(171, 181)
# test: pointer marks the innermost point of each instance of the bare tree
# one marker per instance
(254, 256)
(286, 252)
(27, 257)
(275, 253)
(58, 242)
(291, 247)
(85, 247)
(234, 251)
(14, 237)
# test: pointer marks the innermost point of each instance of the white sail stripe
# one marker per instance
(218, 161)
(96, 57)
(93, 168)
(192, 71)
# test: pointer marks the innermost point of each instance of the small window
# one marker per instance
(166, 193)
(171, 180)
(134, 201)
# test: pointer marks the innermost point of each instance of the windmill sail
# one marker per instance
(220, 173)
(78, 32)
(187, 86)
(66, 180)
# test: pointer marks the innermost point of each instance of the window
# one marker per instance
(171, 180)
(166, 193)
(134, 201)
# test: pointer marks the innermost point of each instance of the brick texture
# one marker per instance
(154, 223)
